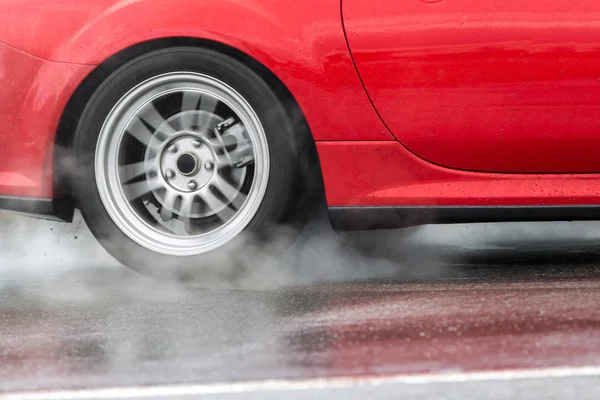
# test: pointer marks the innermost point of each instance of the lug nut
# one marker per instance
(192, 185)
(208, 165)
(196, 144)
(173, 149)
(170, 174)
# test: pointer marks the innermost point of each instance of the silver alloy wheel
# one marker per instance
(182, 164)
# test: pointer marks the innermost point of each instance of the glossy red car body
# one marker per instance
(413, 103)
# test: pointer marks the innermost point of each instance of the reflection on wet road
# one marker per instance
(100, 326)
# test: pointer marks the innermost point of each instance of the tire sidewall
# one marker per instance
(283, 153)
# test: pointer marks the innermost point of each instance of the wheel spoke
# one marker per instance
(217, 205)
(130, 171)
(189, 102)
(168, 204)
(208, 104)
(181, 227)
(138, 189)
(187, 204)
(140, 131)
(206, 123)
(151, 115)
(229, 191)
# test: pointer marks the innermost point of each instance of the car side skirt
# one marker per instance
(368, 218)
(44, 208)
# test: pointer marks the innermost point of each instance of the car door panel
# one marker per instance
(510, 86)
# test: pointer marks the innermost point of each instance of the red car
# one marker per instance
(177, 125)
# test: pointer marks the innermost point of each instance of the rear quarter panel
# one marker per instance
(301, 42)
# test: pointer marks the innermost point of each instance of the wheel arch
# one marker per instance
(311, 170)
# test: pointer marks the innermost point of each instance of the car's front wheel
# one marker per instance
(181, 152)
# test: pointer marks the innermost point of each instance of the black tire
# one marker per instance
(274, 211)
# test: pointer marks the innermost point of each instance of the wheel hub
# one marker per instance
(187, 164)
(182, 163)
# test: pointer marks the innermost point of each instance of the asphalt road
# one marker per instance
(456, 312)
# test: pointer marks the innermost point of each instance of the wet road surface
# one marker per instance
(509, 320)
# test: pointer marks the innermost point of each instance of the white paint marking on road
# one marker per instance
(135, 392)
